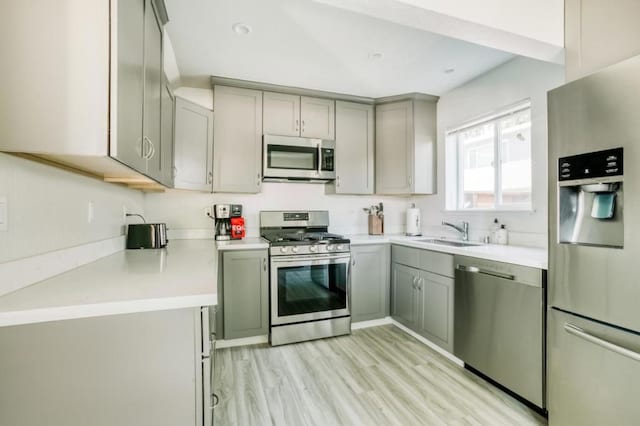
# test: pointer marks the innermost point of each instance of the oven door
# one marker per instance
(307, 288)
(286, 157)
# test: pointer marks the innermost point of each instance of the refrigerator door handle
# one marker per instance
(579, 332)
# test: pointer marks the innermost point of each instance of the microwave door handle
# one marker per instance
(319, 157)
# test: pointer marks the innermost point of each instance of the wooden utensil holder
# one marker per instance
(376, 224)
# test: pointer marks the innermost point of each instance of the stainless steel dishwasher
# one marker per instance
(499, 324)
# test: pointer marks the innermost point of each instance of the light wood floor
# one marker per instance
(376, 376)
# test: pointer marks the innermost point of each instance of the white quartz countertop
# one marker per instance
(180, 276)
(244, 244)
(525, 256)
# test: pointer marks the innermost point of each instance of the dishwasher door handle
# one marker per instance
(476, 270)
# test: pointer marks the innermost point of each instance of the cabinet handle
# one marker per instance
(414, 282)
(338, 181)
(145, 147)
(259, 181)
(302, 126)
(420, 282)
(297, 127)
(410, 180)
(210, 177)
(353, 262)
(579, 332)
(153, 150)
(175, 172)
(264, 263)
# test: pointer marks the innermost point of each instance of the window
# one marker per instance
(489, 162)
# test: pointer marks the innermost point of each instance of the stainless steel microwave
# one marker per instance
(287, 158)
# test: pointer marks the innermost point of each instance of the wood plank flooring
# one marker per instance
(376, 376)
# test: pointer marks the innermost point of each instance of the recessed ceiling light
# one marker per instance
(449, 70)
(240, 28)
(375, 56)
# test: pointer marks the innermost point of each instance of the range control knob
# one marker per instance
(313, 248)
(283, 249)
(330, 247)
(294, 249)
(340, 247)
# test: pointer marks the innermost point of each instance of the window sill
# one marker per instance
(497, 211)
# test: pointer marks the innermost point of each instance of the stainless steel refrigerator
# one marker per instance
(593, 341)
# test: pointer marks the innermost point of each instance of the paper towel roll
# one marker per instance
(414, 227)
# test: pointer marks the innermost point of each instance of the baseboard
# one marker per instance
(429, 343)
(371, 323)
(245, 341)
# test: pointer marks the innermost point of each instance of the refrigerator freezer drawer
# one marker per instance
(594, 373)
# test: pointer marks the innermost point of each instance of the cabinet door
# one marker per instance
(127, 146)
(94, 368)
(281, 114)
(369, 282)
(403, 297)
(435, 320)
(237, 149)
(166, 139)
(152, 92)
(354, 148)
(317, 118)
(394, 146)
(193, 146)
(245, 294)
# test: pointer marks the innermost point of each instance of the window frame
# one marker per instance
(495, 118)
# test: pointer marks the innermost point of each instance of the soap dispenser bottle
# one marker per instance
(493, 233)
(502, 235)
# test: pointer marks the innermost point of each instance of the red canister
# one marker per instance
(237, 228)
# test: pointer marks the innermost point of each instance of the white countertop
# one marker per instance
(525, 256)
(244, 244)
(180, 276)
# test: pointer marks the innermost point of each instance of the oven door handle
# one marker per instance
(306, 260)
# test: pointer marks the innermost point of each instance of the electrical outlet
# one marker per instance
(90, 212)
(4, 215)
(208, 211)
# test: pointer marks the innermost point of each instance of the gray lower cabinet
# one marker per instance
(245, 293)
(369, 282)
(422, 290)
(141, 369)
(193, 152)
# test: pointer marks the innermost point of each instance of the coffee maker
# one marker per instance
(228, 217)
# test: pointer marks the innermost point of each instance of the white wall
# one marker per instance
(514, 81)
(48, 208)
(184, 210)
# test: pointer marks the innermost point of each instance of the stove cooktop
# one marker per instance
(298, 238)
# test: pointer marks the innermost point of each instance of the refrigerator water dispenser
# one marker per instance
(590, 199)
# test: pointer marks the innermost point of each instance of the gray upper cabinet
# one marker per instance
(153, 82)
(369, 282)
(317, 118)
(193, 153)
(167, 107)
(422, 284)
(245, 298)
(127, 146)
(293, 115)
(281, 114)
(354, 148)
(598, 35)
(237, 138)
(406, 146)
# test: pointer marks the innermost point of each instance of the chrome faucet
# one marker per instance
(464, 229)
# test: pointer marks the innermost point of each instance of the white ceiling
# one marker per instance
(307, 44)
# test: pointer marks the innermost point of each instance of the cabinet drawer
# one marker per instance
(405, 256)
(437, 263)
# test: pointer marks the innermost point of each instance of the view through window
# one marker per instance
(494, 161)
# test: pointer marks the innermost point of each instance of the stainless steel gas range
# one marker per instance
(309, 276)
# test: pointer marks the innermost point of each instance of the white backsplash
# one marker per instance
(183, 211)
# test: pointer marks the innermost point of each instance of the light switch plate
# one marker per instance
(4, 215)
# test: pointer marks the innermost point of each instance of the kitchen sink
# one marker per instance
(451, 243)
